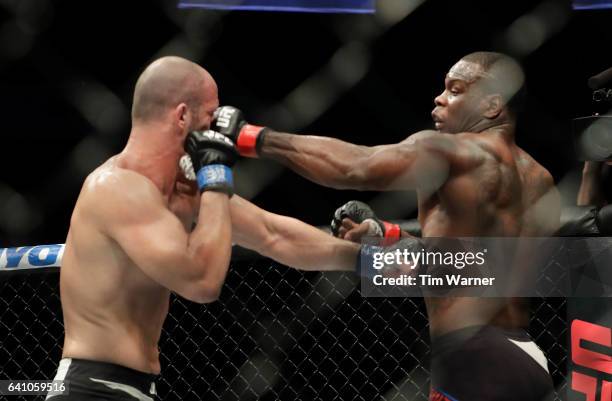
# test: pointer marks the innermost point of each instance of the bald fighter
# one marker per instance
(471, 180)
(131, 242)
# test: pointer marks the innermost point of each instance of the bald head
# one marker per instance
(168, 82)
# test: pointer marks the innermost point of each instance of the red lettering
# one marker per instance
(597, 334)
(606, 391)
(584, 384)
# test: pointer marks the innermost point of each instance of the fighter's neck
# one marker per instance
(154, 154)
(505, 129)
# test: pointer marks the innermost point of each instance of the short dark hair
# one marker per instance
(506, 77)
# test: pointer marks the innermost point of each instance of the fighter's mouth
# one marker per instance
(437, 121)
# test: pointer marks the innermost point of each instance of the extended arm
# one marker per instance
(289, 241)
(421, 161)
(299, 245)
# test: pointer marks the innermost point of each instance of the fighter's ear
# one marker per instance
(182, 116)
(492, 106)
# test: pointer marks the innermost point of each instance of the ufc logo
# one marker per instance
(597, 361)
(215, 136)
(224, 116)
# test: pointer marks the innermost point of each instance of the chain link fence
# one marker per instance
(275, 334)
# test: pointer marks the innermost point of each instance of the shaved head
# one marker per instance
(168, 82)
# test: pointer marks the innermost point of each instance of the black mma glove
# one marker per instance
(585, 221)
(212, 155)
(248, 138)
(360, 212)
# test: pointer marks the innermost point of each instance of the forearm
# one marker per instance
(210, 243)
(326, 161)
(304, 247)
(289, 241)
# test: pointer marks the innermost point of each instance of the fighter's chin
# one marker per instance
(445, 128)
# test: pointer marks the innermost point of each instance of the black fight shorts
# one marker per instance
(90, 380)
(487, 363)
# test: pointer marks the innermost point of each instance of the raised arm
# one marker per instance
(289, 241)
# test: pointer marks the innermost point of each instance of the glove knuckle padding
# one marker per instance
(357, 211)
(338, 213)
(210, 147)
(334, 226)
(228, 119)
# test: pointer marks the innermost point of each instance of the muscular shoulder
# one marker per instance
(462, 150)
(113, 194)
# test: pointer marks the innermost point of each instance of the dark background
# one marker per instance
(67, 70)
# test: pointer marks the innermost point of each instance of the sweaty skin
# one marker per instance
(114, 308)
(470, 176)
(131, 242)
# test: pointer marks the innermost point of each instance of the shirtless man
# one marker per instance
(472, 180)
(130, 241)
